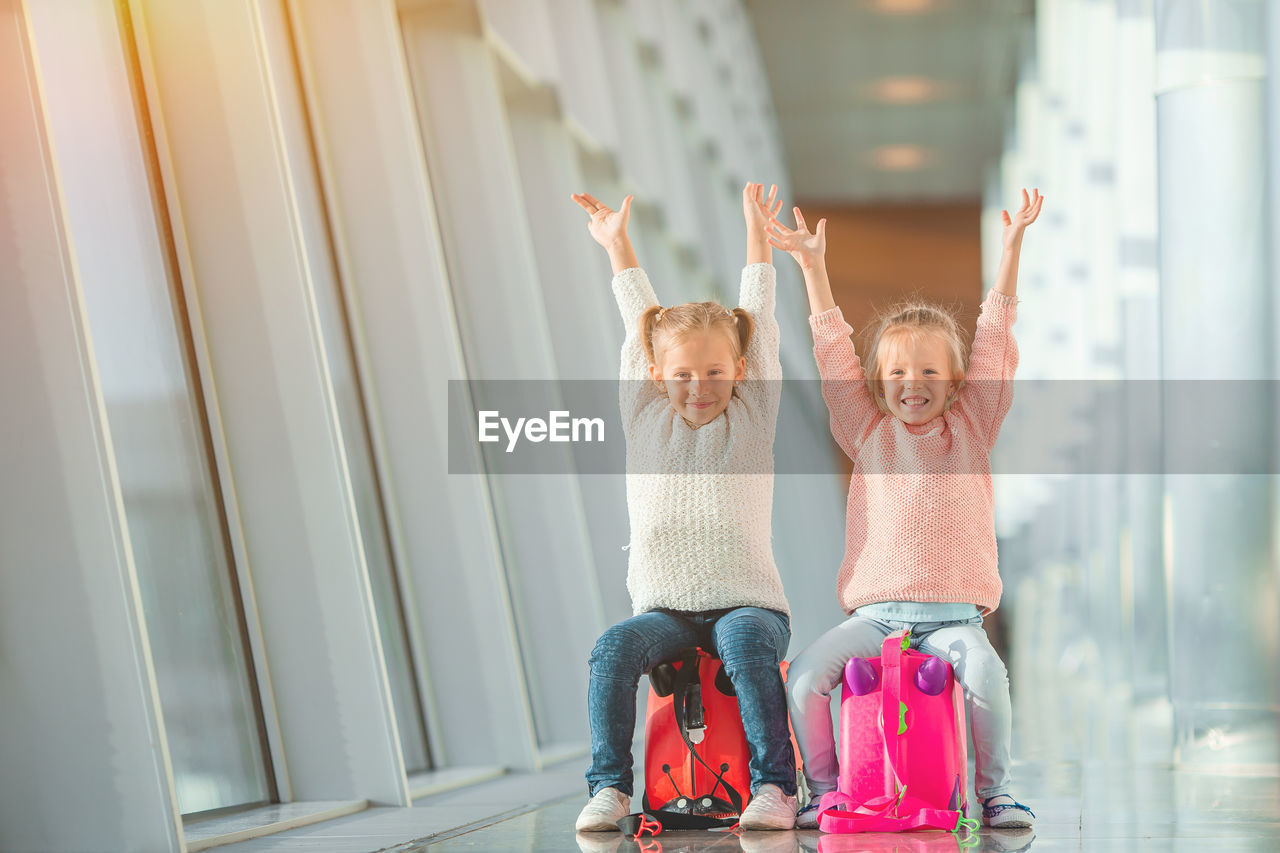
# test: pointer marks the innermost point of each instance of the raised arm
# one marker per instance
(988, 390)
(633, 293)
(844, 384)
(608, 227)
(810, 252)
(757, 210)
(1014, 227)
(762, 389)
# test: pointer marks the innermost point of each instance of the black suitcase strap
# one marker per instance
(687, 704)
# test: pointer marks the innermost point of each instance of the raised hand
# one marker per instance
(807, 248)
(607, 226)
(1016, 224)
(758, 210)
(810, 251)
(1007, 273)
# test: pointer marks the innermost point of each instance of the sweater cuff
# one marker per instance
(999, 309)
(630, 277)
(633, 292)
(756, 290)
(830, 323)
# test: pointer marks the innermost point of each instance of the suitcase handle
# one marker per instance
(687, 677)
(893, 707)
(839, 813)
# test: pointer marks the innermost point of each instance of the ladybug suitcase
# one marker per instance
(696, 758)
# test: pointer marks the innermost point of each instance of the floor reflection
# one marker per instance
(1090, 805)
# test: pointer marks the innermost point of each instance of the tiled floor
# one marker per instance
(1091, 805)
(1097, 805)
(1097, 772)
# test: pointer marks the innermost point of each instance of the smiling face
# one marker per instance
(699, 372)
(916, 374)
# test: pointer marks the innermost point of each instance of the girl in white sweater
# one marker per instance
(700, 387)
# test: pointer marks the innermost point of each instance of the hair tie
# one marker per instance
(661, 313)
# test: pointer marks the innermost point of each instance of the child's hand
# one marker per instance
(608, 226)
(1016, 224)
(808, 249)
(758, 210)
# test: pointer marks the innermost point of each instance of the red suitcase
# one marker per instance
(696, 757)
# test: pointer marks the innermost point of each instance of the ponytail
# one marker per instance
(745, 325)
(648, 323)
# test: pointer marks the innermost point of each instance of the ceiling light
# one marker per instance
(905, 90)
(904, 7)
(901, 158)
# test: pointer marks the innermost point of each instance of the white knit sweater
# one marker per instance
(701, 501)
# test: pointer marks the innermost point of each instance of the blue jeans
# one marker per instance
(750, 641)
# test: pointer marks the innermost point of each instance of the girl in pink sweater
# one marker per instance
(920, 547)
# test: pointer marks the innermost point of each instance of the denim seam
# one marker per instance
(765, 662)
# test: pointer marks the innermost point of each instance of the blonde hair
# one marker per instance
(915, 321)
(660, 327)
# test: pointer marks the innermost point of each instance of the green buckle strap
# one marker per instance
(902, 706)
(970, 827)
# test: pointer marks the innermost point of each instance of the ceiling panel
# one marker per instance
(832, 66)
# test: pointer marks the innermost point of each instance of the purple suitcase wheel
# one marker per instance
(861, 676)
(931, 677)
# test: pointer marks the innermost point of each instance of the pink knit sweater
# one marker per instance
(921, 521)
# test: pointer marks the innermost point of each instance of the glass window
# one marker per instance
(373, 531)
(162, 450)
(173, 510)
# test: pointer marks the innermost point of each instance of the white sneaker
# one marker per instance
(1004, 811)
(603, 811)
(769, 809)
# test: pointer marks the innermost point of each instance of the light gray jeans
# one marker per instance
(819, 669)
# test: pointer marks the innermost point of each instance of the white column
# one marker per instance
(1096, 67)
(1138, 280)
(82, 743)
(1210, 72)
(581, 314)
(387, 242)
(1273, 215)
(582, 81)
(239, 184)
(505, 334)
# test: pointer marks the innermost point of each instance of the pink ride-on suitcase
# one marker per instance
(902, 745)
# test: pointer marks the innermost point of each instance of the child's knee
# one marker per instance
(983, 671)
(619, 653)
(804, 686)
(751, 640)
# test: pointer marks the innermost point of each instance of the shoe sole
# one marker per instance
(761, 826)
